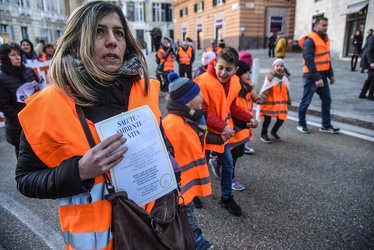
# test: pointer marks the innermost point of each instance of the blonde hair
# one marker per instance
(77, 42)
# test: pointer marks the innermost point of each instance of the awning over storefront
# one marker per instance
(351, 9)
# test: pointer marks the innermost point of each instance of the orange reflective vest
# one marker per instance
(321, 52)
(190, 155)
(218, 103)
(242, 135)
(275, 104)
(57, 136)
(218, 49)
(185, 56)
(168, 63)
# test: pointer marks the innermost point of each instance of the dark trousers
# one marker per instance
(369, 85)
(354, 62)
(185, 71)
(165, 83)
(271, 51)
(266, 123)
(236, 153)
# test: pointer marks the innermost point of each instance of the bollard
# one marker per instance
(255, 74)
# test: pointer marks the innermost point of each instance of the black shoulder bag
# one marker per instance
(133, 228)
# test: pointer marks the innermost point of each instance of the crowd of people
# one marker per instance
(99, 69)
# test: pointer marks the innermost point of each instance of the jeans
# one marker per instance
(324, 94)
(226, 171)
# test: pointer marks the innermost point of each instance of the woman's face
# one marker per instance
(49, 51)
(26, 46)
(224, 70)
(110, 44)
(15, 57)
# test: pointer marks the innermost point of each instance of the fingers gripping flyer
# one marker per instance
(146, 172)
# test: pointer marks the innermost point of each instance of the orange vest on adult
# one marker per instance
(189, 152)
(217, 101)
(275, 104)
(185, 56)
(56, 136)
(321, 52)
(218, 49)
(241, 135)
(168, 62)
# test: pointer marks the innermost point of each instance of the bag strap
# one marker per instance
(92, 143)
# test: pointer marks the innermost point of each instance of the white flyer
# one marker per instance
(146, 172)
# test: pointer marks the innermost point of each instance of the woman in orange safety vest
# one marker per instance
(99, 66)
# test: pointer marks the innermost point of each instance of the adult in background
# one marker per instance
(185, 59)
(39, 48)
(271, 44)
(364, 62)
(28, 52)
(317, 69)
(356, 46)
(166, 55)
(280, 45)
(213, 47)
(206, 57)
(369, 82)
(48, 52)
(13, 76)
(100, 67)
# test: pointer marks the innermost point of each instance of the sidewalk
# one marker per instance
(346, 107)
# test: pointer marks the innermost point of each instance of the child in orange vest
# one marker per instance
(220, 88)
(276, 98)
(185, 134)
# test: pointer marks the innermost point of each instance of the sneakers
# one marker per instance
(215, 167)
(201, 243)
(330, 130)
(197, 202)
(231, 206)
(303, 129)
(248, 149)
(265, 138)
(275, 136)
(236, 185)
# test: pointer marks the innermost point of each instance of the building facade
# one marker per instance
(241, 24)
(345, 17)
(33, 19)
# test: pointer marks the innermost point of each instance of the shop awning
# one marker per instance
(354, 8)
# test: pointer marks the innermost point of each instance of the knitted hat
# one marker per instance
(243, 67)
(246, 57)
(182, 89)
(207, 57)
(279, 60)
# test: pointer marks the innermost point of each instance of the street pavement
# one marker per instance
(346, 107)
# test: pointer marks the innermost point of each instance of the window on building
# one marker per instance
(130, 11)
(24, 32)
(139, 12)
(162, 12)
(218, 2)
(4, 1)
(40, 4)
(276, 23)
(199, 7)
(22, 3)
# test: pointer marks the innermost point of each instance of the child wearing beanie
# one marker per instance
(276, 98)
(185, 134)
(205, 60)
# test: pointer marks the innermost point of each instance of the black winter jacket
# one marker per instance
(8, 102)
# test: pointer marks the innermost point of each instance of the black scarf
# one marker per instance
(14, 70)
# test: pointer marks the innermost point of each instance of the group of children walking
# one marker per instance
(213, 115)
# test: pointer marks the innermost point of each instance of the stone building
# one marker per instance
(242, 24)
(345, 17)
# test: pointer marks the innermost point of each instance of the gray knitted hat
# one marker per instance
(182, 89)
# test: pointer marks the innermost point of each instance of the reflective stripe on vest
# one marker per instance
(321, 52)
(79, 218)
(189, 152)
(185, 56)
(275, 104)
(218, 103)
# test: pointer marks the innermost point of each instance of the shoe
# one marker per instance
(215, 167)
(236, 185)
(231, 206)
(330, 130)
(197, 202)
(275, 136)
(371, 98)
(248, 149)
(362, 96)
(265, 139)
(201, 243)
(303, 129)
